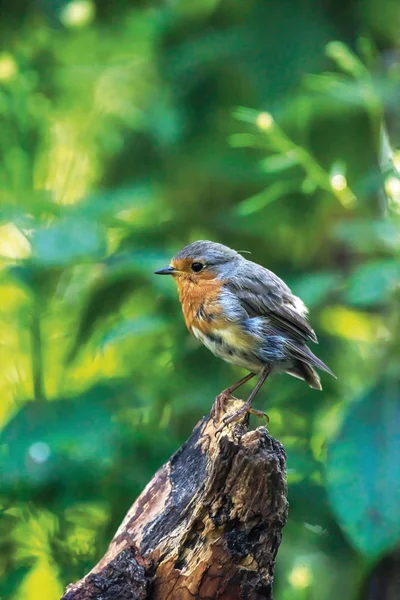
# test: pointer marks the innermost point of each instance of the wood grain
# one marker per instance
(208, 525)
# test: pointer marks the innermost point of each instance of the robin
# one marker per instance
(244, 314)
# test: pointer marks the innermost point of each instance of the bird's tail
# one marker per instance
(307, 374)
(303, 367)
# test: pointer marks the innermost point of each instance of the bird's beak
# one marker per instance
(166, 271)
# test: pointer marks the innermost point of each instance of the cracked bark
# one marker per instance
(208, 525)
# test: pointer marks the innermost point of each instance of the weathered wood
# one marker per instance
(208, 525)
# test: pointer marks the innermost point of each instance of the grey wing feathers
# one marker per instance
(262, 293)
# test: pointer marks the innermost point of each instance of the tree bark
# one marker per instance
(208, 525)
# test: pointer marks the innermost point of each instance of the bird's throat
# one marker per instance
(199, 300)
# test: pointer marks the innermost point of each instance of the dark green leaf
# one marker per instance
(45, 433)
(363, 471)
(105, 298)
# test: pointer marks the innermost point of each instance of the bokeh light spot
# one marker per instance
(8, 67)
(78, 14)
(392, 189)
(338, 182)
(39, 452)
(300, 577)
(265, 121)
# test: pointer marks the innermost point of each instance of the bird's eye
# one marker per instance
(197, 267)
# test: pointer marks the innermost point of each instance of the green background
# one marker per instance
(127, 130)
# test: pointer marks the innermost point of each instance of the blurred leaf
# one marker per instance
(352, 324)
(373, 283)
(314, 288)
(104, 205)
(41, 281)
(45, 434)
(67, 242)
(105, 298)
(132, 327)
(259, 201)
(338, 88)
(247, 115)
(345, 59)
(42, 576)
(338, 168)
(112, 289)
(9, 586)
(363, 471)
(114, 155)
(245, 140)
(278, 163)
(135, 261)
(308, 186)
(367, 235)
(308, 502)
(32, 204)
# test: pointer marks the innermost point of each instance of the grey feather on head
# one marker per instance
(211, 253)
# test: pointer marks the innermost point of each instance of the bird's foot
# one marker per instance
(238, 414)
(218, 407)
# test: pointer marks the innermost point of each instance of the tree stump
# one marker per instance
(208, 525)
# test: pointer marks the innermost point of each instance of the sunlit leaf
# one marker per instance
(42, 576)
(278, 163)
(346, 59)
(363, 471)
(13, 243)
(352, 324)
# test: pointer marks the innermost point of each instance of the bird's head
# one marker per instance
(202, 260)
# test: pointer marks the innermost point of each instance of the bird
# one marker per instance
(246, 315)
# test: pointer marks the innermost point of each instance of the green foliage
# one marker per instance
(68, 242)
(373, 283)
(62, 428)
(363, 471)
(127, 131)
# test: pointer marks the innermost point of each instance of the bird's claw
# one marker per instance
(219, 405)
(238, 414)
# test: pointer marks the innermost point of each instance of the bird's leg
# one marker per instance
(246, 408)
(220, 400)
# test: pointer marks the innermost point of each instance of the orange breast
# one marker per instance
(200, 304)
